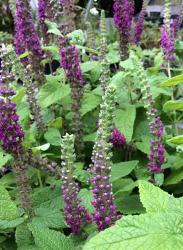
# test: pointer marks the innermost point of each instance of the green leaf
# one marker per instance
(52, 218)
(147, 231)
(89, 103)
(87, 197)
(128, 204)
(175, 177)
(8, 209)
(178, 140)
(173, 105)
(47, 197)
(25, 54)
(144, 145)
(52, 28)
(5, 224)
(49, 239)
(53, 136)
(52, 92)
(4, 159)
(23, 236)
(90, 137)
(43, 147)
(156, 200)
(56, 123)
(122, 169)
(113, 56)
(88, 66)
(172, 81)
(124, 121)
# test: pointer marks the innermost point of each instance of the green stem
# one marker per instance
(39, 178)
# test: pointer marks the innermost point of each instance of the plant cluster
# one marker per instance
(91, 144)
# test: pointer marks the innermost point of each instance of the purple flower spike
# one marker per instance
(117, 138)
(11, 133)
(167, 42)
(45, 12)
(71, 65)
(26, 38)
(75, 214)
(139, 27)
(123, 18)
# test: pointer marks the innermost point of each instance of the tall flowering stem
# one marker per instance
(106, 212)
(105, 67)
(156, 157)
(11, 138)
(75, 214)
(30, 85)
(68, 12)
(70, 63)
(167, 34)
(123, 18)
(26, 39)
(91, 40)
(45, 12)
(139, 26)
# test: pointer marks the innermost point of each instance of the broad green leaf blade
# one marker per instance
(128, 204)
(53, 136)
(153, 198)
(156, 200)
(49, 239)
(154, 231)
(88, 66)
(122, 169)
(173, 105)
(124, 121)
(50, 217)
(178, 140)
(23, 236)
(52, 28)
(87, 197)
(172, 81)
(175, 177)
(4, 224)
(8, 209)
(52, 92)
(4, 158)
(89, 103)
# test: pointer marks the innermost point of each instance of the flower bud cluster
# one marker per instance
(106, 212)
(70, 63)
(117, 139)
(75, 214)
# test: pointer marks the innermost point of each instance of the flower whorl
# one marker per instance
(106, 213)
(75, 214)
